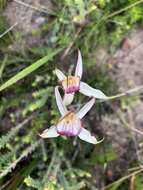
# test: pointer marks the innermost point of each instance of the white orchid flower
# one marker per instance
(72, 84)
(70, 124)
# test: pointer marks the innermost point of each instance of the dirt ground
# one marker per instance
(27, 20)
(123, 129)
(126, 68)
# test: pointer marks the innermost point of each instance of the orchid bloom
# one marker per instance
(72, 84)
(70, 124)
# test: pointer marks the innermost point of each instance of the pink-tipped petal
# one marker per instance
(78, 70)
(68, 98)
(85, 135)
(61, 106)
(59, 74)
(89, 91)
(83, 111)
(49, 133)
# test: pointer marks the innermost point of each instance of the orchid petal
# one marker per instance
(85, 135)
(68, 98)
(61, 106)
(78, 70)
(48, 133)
(89, 91)
(59, 74)
(86, 108)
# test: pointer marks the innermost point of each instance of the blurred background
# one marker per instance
(46, 34)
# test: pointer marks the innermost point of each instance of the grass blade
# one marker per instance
(29, 69)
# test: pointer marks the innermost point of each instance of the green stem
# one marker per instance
(124, 9)
(126, 93)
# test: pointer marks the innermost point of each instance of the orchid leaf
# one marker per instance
(29, 69)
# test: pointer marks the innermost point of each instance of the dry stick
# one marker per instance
(137, 131)
(9, 29)
(16, 23)
(123, 178)
(71, 44)
(31, 6)
(132, 126)
(127, 125)
(132, 183)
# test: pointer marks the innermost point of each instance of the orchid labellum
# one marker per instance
(72, 84)
(70, 124)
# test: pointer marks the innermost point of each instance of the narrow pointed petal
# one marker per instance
(85, 135)
(49, 133)
(89, 91)
(78, 70)
(68, 98)
(83, 111)
(59, 74)
(61, 106)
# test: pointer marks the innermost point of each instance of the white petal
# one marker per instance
(83, 111)
(89, 91)
(68, 98)
(48, 133)
(59, 74)
(78, 70)
(85, 135)
(61, 106)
